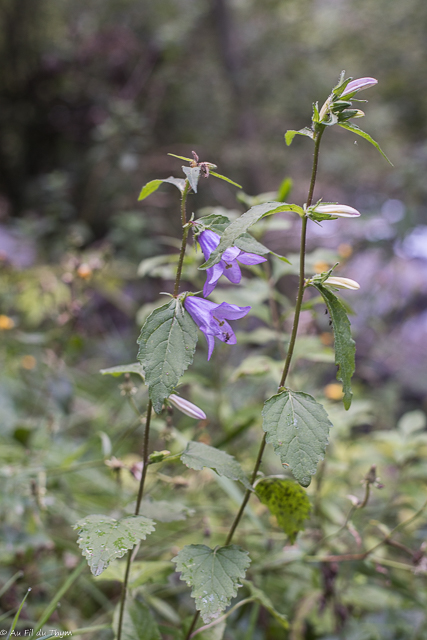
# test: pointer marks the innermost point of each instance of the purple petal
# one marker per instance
(211, 343)
(251, 258)
(230, 254)
(209, 241)
(232, 271)
(358, 85)
(230, 311)
(213, 274)
(200, 310)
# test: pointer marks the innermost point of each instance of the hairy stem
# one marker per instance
(138, 505)
(185, 231)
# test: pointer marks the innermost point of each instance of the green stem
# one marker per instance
(138, 505)
(185, 231)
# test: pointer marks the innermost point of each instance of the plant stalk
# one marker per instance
(185, 231)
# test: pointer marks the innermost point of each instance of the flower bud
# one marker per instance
(187, 407)
(340, 210)
(359, 85)
(342, 283)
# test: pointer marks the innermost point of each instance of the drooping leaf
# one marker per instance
(135, 367)
(290, 135)
(358, 131)
(287, 501)
(153, 185)
(138, 622)
(218, 175)
(213, 574)
(243, 223)
(102, 539)
(164, 511)
(345, 347)
(193, 175)
(166, 348)
(215, 222)
(247, 243)
(198, 455)
(297, 426)
(265, 602)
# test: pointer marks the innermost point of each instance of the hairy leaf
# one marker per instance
(213, 574)
(152, 186)
(345, 347)
(166, 348)
(287, 501)
(138, 622)
(164, 511)
(297, 426)
(265, 602)
(243, 223)
(193, 175)
(290, 135)
(198, 455)
(135, 367)
(355, 129)
(102, 539)
(215, 222)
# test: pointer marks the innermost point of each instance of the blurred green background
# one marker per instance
(93, 95)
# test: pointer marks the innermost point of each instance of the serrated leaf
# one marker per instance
(103, 539)
(355, 129)
(135, 367)
(153, 185)
(287, 501)
(345, 347)
(213, 574)
(265, 602)
(164, 511)
(198, 455)
(167, 343)
(214, 221)
(193, 175)
(290, 135)
(138, 622)
(297, 426)
(218, 175)
(243, 223)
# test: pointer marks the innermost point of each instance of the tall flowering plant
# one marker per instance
(294, 423)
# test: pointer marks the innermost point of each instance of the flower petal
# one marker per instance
(230, 311)
(340, 210)
(358, 85)
(250, 258)
(344, 283)
(208, 240)
(230, 254)
(187, 407)
(232, 271)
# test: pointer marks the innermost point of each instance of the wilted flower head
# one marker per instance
(209, 240)
(358, 85)
(342, 283)
(340, 210)
(212, 319)
(187, 407)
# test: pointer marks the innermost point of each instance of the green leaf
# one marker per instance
(355, 129)
(297, 426)
(152, 186)
(181, 157)
(218, 175)
(213, 574)
(290, 135)
(164, 511)
(140, 572)
(345, 347)
(247, 243)
(167, 343)
(287, 501)
(102, 539)
(214, 221)
(135, 367)
(138, 622)
(243, 223)
(265, 602)
(16, 618)
(198, 455)
(284, 189)
(193, 175)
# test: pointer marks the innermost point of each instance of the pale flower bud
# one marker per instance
(342, 283)
(187, 407)
(340, 210)
(359, 85)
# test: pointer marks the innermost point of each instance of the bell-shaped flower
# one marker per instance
(342, 283)
(209, 240)
(212, 319)
(358, 85)
(187, 407)
(340, 210)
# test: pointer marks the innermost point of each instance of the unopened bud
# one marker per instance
(187, 407)
(359, 85)
(340, 210)
(342, 283)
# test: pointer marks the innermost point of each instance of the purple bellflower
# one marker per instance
(209, 240)
(212, 319)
